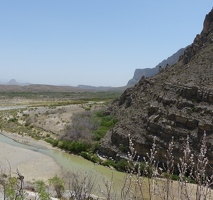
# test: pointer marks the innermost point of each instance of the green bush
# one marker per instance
(106, 123)
(75, 146)
(175, 177)
(108, 163)
(121, 165)
(40, 188)
(95, 147)
(58, 185)
(90, 156)
(13, 119)
(100, 133)
(95, 158)
(85, 155)
(52, 141)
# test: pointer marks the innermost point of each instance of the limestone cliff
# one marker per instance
(176, 102)
(148, 72)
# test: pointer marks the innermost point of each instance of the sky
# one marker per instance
(92, 42)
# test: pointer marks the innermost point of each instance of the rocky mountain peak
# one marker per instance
(13, 82)
(201, 40)
(177, 102)
(208, 23)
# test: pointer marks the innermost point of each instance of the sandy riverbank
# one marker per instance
(27, 140)
(33, 165)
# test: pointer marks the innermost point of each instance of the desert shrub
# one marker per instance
(14, 119)
(95, 147)
(106, 122)
(52, 141)
(81, 127)
(100, 133)
(175, 177)
(25, 115)
(28, 122)
(95, 158)
(81, 185)
(121, 165)
(40, 188)
(90, 156)
(85, 155)
(10, 190)
(75, 146)
(89, 125)
(58, 185)
(108, 163)
(11, 187)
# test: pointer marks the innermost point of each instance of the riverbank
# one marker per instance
(27, 140)
(33, 165)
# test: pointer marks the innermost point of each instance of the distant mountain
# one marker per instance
(89, 87)
(100, 88)
(13, 86)
(38, 88)
(14, 82)
(148, 72)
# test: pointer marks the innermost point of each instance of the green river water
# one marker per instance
(73, 163)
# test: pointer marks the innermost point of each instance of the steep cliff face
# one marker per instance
(201, 40)
(148, 72)
(176, 102)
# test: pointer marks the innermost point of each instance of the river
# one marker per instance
(74, 163)
(70, 162)
(11, 107)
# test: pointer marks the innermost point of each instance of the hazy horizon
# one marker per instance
(7, 82)
(97, 43)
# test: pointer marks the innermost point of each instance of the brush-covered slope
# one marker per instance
(176, 102)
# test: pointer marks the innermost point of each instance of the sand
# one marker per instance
(32, 165)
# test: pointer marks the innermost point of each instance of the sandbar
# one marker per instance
(31, 164)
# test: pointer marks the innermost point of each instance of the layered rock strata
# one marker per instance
(177, 102)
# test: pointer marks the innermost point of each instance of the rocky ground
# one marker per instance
(40, 119)
(52, 119)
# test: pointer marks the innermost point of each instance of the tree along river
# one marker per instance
(73, 163)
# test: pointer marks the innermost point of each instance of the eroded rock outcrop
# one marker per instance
(177, 102)
(148, 72)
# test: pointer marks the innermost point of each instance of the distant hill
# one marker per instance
(100, 88)
(14, 82)
(13, 86)
(148, 72)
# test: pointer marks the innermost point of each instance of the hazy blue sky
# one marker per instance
(92, 42)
